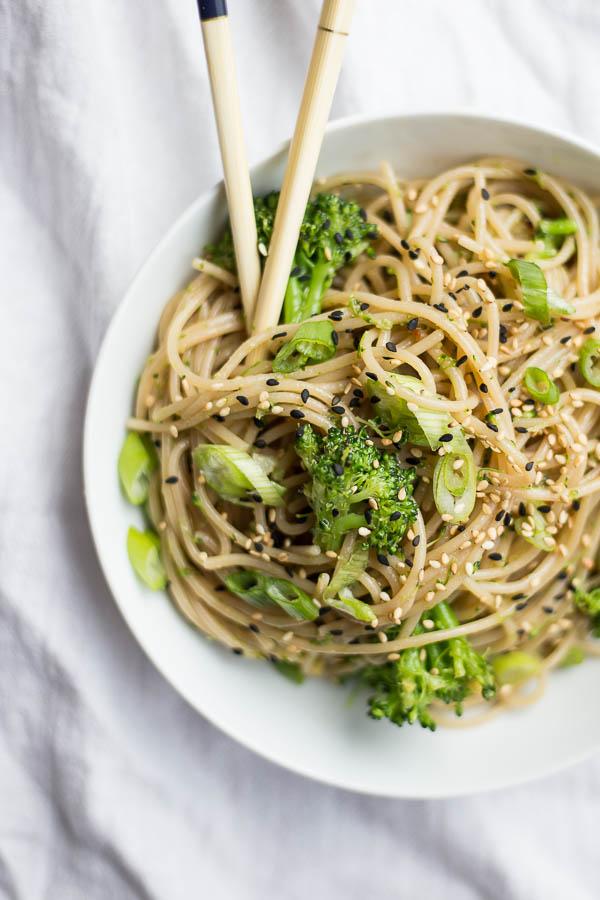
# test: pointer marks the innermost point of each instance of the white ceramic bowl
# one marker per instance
(312, 729)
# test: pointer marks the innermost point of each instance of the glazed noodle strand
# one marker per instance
(438, 302)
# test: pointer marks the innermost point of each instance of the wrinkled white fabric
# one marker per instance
(110, 785)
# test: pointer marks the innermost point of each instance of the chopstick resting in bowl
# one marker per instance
(319, 88)
(221, 69)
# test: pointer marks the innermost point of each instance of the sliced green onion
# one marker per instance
(539, 301)
(262, 590)
(533, 530)
(557, 227)
(143, 549)
(423, 426)
(516, 667)
(289, 670)
(346, 603)
(588, 362)
(540, 386)
(573, 657)
(137, 461)
(235, 475)
(313, 343)
(347, 571)
(454, 486)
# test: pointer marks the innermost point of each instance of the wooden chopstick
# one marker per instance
(221, 69)
(319, 88)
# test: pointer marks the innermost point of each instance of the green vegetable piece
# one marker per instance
(588, 602)
(143, 549)
(557, 227)
(465, 661)
(347, 571)
(259, 589)
(533, 530)
(334, 232)
(347, 470)
(236, 476)
(137, 461)
(573, 657)
(455, 488)
(516, 667)
(539, 301)
(588, 362)
(313, 343)
(421, 426)
(347, 603)
(540, 386)
(378, 321)
(289, 670)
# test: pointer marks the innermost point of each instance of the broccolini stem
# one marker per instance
(444, 616)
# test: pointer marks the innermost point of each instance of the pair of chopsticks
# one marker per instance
(262, 301)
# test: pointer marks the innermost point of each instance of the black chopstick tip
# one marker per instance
(211, 9)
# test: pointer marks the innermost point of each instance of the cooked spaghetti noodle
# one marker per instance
(435, 300)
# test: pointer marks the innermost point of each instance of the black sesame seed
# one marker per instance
(372, 376)
(297, 414)
(335, 338)
(441, 306)
(337, 315)
(496, 557)
(462, 274)
(528, 466)
(412, 324)
(383, 559)
(492, 427)
(156, 443)
(336, 632)
(413, 254)
(254, 628)
(544, 509)
(492, 275)
(272, 382)
(339, 410)
(485, 193)
(548, 610)
(260, 443)
(530, 172)
(507, 519)
(295, 272)
(243, 400)
(324, 610)
(368, 515)
(256, 497)
(461, 360)
(499, 515)
(413, 461)
(354, 402)
(446, 437)
(496, 412)
(338, 238)
(338, 469)
(335, 512)
(305, 394)
(507, 307)
(280, 334)
(566, 339)
(477, 312)
(395, 515)
(219, 418)
(391, 346)
(520, 429)
(590, 330)
(363, 214)
(349, 234)
(416, 540)
(238, 651)
(358, 393)
(172, 479)
(404, 243)
(521, 606)
(576, 505)
(522, 509)
(259, 546)
(483, 388)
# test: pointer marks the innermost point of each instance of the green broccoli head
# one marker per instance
(347, 470)
(334, 232)
(446, 671)
(588, 602)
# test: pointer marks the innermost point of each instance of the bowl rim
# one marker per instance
(89, 452)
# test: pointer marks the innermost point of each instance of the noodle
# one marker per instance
(200, 386)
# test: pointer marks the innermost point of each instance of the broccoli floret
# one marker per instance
(347, 470)
(445, 671)
(334, 232)
(588, 602)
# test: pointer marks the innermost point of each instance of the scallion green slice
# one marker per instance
(137, 461)
(557, 227)
(589, 367)
(455, 480)
(516, 667)
(540, 386)
(312, 343)
(347, 603)
(260, 589)
(143, 549)
(422, 426)
(236, 476)
(532, 529)
(573, 657)
(539, 301)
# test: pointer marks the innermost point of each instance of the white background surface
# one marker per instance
(110, 786)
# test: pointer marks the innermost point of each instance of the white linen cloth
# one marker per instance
(110, 785)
